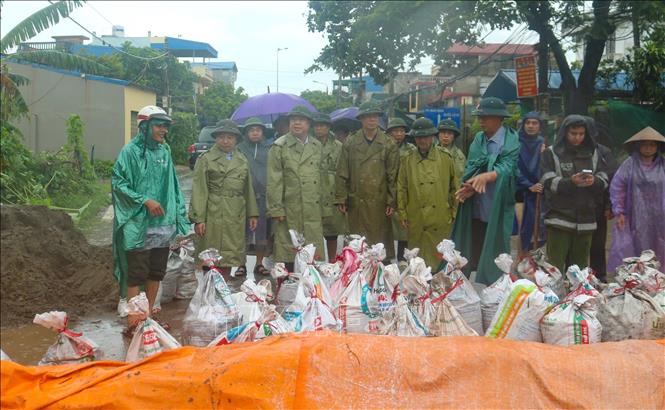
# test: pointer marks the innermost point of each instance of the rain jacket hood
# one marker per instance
(588, 145)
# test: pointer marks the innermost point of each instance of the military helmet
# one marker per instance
(253, 122)
(449, 125)
(226, 126)
(423, 127)
(396, 122)
(322, 118)
(369, 108)
(491, 107)
(300, 111)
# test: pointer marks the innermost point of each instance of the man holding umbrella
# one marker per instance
(294, 186)
(366, 176)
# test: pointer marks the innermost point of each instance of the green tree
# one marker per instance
(383, 35)
(182, 134)
(323, 102)
(219, 101)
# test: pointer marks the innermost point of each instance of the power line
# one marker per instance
(113, 47)
(99, 14)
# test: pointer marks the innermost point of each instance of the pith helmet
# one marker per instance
(300, 111)
(368, 108)
(647, 134)
(227, 126)
(396, 122)
(253, 122)
(491, 107)
(423, 127)
(321, 118)
(449, 125)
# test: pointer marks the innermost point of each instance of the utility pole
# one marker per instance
(278, 50)
(339, 89)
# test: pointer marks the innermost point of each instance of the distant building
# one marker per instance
(107, 106)
(225, 71)
(618, 45)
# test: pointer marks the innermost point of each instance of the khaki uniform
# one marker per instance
(334, 222)
(399, 233)
(223, 198)
(458, 158)
(366, 176)
(426, 199)
(295, 192)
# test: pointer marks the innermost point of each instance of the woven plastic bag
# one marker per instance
(70, 346)
(267, 324)
(537, 261)
(520, 312)
(573, 322)
(3, 356)
(309, 311)
(491, 296)
(212, 310)
(630, 313)
(461, 292)
(149, 337)
(251, 298)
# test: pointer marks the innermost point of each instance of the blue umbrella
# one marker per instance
(345, 118)
(268, 107)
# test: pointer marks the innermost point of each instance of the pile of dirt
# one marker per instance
(47, 264)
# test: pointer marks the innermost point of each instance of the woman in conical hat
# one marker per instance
(637, 193)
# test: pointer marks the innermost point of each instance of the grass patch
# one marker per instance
(99, 198)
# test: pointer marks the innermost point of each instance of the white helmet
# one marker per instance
(151, 111)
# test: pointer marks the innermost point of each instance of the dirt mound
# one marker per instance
(47, 264)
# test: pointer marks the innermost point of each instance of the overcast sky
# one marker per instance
(248, 33)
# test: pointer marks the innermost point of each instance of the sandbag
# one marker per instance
(149, 337)
(179, 280)
(401, 321)
(536, 261)
(3, 356)
(212, 310)
(69, 347)
(520, 312)
(287, 286)
(630, 313)
(267, 324)
(251, 298)
(461, 293)
(447, 321)
(308, 311)
(491, 296)
(573, 322)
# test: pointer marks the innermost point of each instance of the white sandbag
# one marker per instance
(447, 321)
(287, 286)
(69, 347)
(491, 296)
(537, 261)
(267, 324)
(179, 280)
(461, 293)
(350, 261)
(401, 321)
(251, 298)
(416, 284)
(520, 312)
(630, 313)
(149, 337)
(379, 298)
(330, 272)
(308, 311)
(212, 309)
(573, 322)
(3, 356)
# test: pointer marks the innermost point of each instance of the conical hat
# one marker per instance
(647, 134)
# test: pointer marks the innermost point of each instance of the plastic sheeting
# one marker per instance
(325, 369)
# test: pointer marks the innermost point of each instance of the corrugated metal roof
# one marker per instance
(220, 65)
(490, 48)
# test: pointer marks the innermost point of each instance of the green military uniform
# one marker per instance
(223, 198)
(334, 222)
(426, 195)
(295, 192)
(399, 233)
(366, 176)
(458, 155)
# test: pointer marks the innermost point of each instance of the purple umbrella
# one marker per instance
(345, 118)
(268, 107)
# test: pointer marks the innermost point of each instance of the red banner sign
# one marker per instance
(525, 70)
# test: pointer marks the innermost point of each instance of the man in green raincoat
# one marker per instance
(294, 187)
(223, 199)
(397, 131)
(148, 208)
(448, 133)
(484, 220)
(334, 222)
(426, 186)
(366, 176)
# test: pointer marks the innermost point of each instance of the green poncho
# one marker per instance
(500, 225)
(143, 170)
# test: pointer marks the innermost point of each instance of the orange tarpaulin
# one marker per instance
(315, 370)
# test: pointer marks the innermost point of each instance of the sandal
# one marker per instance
(241, 271)
(261, 270)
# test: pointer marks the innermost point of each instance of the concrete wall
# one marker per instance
(135, 99)
(53, 96)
